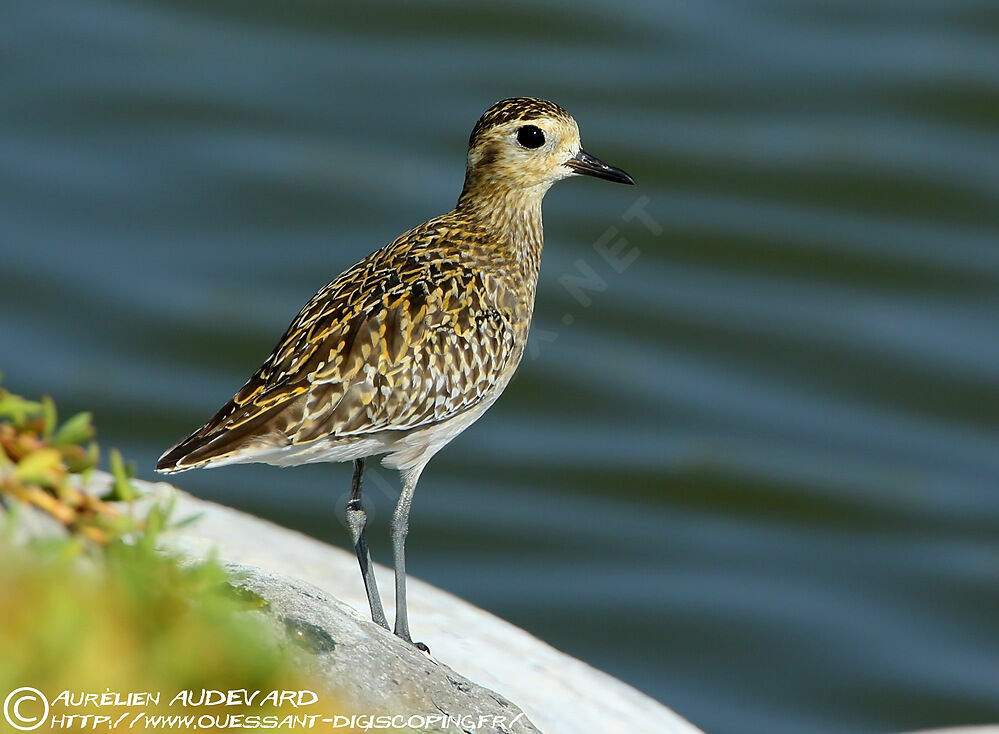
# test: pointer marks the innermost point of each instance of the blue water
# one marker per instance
(755, 473)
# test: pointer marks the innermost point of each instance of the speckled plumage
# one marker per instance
(406, 349)
(416, 333)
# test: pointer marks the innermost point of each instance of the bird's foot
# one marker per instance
(421, 646)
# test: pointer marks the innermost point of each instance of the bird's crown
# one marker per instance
(515, 109)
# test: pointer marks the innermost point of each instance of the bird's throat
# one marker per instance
(514, 215)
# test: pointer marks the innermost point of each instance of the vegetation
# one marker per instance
(38, 459)
(96, 607)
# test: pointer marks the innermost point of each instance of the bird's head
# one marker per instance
(524, 144)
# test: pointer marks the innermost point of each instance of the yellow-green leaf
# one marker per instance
(40, 467)
(49, 416)
(122, 488)
(76, 430)
(16, 409)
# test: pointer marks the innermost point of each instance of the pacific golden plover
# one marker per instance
(405, 350)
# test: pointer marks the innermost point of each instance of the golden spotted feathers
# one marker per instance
(413, 334)
(406, 348)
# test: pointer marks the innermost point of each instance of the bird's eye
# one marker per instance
(530, 136)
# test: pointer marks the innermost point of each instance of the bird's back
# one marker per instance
(416, 334)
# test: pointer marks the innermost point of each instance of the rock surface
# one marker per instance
(317, 600)
(369, 668)
(560, 694)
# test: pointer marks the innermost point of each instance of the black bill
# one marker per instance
(585, 164)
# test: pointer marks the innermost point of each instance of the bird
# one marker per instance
(406, 349)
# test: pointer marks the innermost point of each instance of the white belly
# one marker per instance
(405, 449)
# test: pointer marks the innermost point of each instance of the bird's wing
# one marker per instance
(405, 338)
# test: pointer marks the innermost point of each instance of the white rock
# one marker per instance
(560, 694)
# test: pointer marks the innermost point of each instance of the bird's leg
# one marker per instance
(356, 520)
(400, 526)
